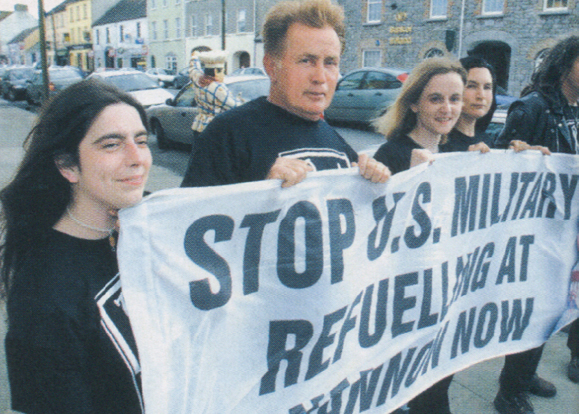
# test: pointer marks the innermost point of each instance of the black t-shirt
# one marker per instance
(69, 346)
(243, 143)
(456, 141)
(396, 153)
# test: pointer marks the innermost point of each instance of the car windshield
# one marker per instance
(250, 89)
(20, 74)
(132, 82)
(64, 74)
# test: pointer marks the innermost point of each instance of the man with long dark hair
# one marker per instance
(547, 115)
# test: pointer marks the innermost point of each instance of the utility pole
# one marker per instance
(43, 49)
(223, 22)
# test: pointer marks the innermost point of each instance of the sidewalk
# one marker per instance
(472, 390)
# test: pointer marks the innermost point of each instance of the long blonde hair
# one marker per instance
(400, 119)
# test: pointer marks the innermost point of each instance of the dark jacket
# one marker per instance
(538, 120)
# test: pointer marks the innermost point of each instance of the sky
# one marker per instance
(8, 5)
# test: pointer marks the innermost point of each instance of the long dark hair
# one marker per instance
(556, 65)
(471, 62)
(38, 194)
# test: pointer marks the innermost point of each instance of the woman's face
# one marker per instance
(114, 161)
(439, 105)
(478, 93)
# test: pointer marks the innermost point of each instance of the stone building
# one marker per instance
(512, 34)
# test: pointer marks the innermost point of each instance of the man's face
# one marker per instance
(303, 79)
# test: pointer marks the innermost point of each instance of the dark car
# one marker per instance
(181, 78)
(504, 100)
(14, 82)
(172, 121)
(58, 79)
(364, 94)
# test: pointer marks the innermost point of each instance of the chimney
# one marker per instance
(21, 8)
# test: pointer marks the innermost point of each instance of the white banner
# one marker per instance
(342, 296)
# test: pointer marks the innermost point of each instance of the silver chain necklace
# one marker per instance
(88, 226)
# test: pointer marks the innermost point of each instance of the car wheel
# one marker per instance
(162, 142)
(29, 99)
(11, 95)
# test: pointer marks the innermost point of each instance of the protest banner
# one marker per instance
(343, 296)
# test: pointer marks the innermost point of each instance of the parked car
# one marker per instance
(181, 78)
(504, 100)
(142, 87)
(364, 94)
(172, 121)
(161, 75)
(248, 71)
(497, 123)
(13, 82)
(59, 77)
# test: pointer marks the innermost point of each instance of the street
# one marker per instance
(472, 390)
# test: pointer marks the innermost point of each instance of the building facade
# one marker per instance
(80, 34)
(166, 34)
(12, 23)
(120, 36)
(512, 34)
(57, 36)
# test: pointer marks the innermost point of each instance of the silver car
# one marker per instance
(172, 121)
(364, 94)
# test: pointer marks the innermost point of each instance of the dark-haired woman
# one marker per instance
(69, 346)
(478, 108)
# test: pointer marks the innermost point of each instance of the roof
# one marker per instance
(4, 14)
(124, 10)
(22, 35)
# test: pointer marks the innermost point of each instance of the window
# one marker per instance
(77, 12)
(208, 24)
(84, 11)
(138, 30)
(171, 63)
(372, 58)
(381, 80)
(493, 6)
(351, 82)
(165, 29)
(374, 11)
(438, 8)
(153, 4)
(241, 21)
(165, 3)
(154, 30)
(555, 4)
(108, 35)
(97, 37)
(177, 27)
(434, 52)
(121, 34)
(194, 25)
(71, 15)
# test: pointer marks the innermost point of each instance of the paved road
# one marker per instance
(472, 390)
